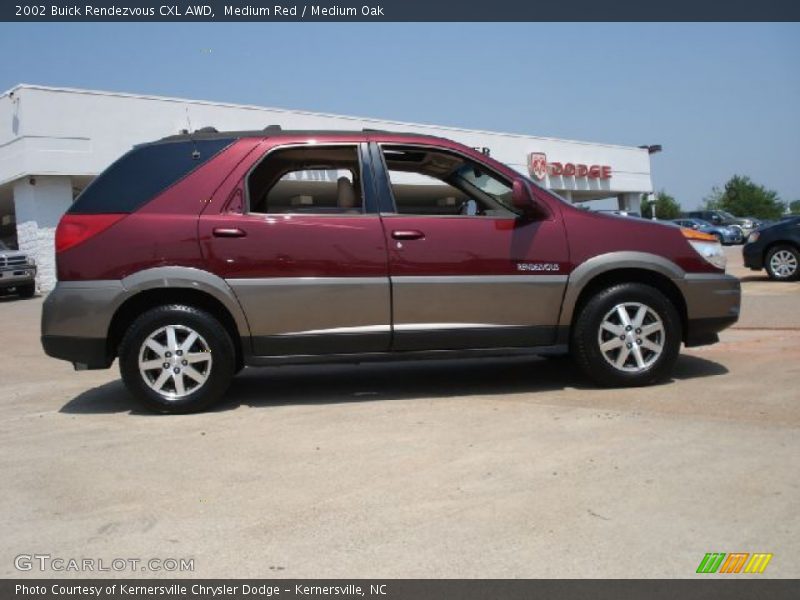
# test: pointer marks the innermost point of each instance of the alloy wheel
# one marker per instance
(631, 337)
(783, 264)
(175, 361)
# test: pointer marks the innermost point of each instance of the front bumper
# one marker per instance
(733, 237)
(17, 275)
(712, 304)
(753, 256)
(746, 231)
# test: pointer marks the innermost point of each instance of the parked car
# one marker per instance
(725, 234)
(17, 272)
(775, 248)
(721, 217)
(199, 254)
(622, 213)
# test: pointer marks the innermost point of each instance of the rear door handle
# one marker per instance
(229, 232)
(407, 234)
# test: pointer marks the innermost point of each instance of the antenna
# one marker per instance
(195, 151)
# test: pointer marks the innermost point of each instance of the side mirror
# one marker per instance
(522, 200)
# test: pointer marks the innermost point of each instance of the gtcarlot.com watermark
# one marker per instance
(60, 564)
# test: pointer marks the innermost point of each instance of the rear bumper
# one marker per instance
(82, 352)
(75, 322)
(712, 304)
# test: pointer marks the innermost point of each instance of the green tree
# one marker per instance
(794, 207)
(666, 206)
(744, 198)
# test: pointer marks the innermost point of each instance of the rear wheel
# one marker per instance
(627, 335)
(177, 359)
(783, 263)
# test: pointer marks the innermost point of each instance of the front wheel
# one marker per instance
(177, 359)
(627, 335)
(783, 263)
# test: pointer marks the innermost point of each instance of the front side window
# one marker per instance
(432, 182)
(308, 179)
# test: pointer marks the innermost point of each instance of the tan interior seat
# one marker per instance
(346, 195)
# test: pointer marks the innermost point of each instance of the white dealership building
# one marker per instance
(54, 141)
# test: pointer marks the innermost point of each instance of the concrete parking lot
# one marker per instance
(502, 468)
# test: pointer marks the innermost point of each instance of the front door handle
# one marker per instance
(229, 232)
(407, 234)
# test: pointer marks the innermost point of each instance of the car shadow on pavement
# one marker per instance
(9, 297)
(758, 277)
(335, 384)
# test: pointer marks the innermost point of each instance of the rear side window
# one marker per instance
(307, 179)
(142, 174)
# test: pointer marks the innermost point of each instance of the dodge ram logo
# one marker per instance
(537, 164)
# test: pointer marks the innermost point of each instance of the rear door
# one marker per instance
(466, 271)
(299, 241)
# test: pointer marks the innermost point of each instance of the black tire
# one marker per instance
(219, 370)
(782, 274)
(720, 239)
(586, 331)
(27, 290)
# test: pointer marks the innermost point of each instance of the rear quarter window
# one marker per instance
(143, 173)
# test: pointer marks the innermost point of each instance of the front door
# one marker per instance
(301, 245)
(466, 271)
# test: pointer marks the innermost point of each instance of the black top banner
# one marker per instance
(400, 10)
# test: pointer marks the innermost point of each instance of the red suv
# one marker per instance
(199, 254)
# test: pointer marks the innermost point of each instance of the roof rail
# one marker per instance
(208, 129)
(269, 128)
(370, 129)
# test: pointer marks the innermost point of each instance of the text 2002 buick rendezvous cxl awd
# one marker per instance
(196, 255)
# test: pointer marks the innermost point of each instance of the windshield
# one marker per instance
(3, 246)
(727, 215)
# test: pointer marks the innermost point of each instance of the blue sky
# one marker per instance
(720, 98)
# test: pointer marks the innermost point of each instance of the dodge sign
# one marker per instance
(539, 167)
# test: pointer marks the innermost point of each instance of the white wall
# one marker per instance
(39, 203)
(80, 132)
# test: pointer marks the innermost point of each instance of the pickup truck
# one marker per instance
(17, 272)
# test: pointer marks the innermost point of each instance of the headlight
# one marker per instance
(31, 261)
(753, 237)
(748, 224)
(707, 246)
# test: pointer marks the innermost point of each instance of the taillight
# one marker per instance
(75, 229)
